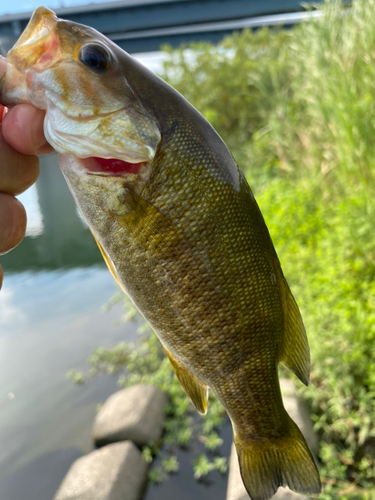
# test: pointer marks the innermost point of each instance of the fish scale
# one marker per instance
(179, 229)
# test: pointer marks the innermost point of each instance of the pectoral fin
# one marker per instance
(296, 354)
(196, 390)
(109, 263)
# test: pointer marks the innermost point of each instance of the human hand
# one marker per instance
(21, 139)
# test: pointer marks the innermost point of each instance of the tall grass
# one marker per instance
(297, 102)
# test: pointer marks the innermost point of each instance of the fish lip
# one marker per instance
(39, 44)
(44, 19)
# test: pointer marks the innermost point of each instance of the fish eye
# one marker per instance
(95, 57)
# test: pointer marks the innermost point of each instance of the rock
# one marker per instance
(135, 414)
(297, 411)
(115, 472)
(236, 489)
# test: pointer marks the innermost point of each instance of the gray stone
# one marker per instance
(115, 472)
(298, 412)
(236, 489)
(135, 414)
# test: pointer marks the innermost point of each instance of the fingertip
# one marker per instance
(3, 65)
(23, 130)
(12, 222)
(28, 176)
(17, 171)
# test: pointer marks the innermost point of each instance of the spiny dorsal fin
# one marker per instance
(196, 390)
(296, 354)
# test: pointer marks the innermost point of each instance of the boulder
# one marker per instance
(135, 414)
(115, 472)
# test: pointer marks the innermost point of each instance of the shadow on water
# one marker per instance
(65, 240)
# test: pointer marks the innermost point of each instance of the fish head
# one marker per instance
(76, 75)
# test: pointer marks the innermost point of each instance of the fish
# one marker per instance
(179, 229)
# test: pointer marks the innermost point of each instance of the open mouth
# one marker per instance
(111, 167)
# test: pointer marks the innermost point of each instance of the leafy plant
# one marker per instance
(327, 252)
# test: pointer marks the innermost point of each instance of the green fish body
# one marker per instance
(181, 232)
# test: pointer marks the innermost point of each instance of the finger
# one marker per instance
(3, 66)
(17, 171)
(12, 222)
(23, 130)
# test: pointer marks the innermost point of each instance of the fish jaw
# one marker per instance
(39, 45)
(37, 48)
(110, 136)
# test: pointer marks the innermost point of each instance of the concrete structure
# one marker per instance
(115, 472)
(135, 414)
(145, 25)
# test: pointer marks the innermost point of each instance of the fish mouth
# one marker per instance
(111, 167)
(106, 173)
(96, 169)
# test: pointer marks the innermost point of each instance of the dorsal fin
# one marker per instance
(295, 354)
(196, 390)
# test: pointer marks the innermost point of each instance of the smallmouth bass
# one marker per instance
(179, 229)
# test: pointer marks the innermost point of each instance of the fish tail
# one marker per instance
(266, 464)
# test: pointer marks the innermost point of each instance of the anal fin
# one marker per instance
(295, 354)
(196, 390)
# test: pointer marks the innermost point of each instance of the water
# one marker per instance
(55, 283)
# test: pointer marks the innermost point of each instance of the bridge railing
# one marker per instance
(145, 25)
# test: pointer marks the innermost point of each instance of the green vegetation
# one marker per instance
(297, 109)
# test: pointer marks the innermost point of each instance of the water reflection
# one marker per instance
(55, 283)
(58, 237)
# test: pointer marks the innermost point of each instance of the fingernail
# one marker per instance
(41, 145)
(3, 65)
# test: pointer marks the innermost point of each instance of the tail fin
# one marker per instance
(266, 464)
